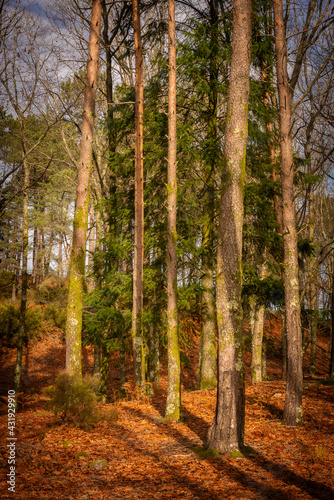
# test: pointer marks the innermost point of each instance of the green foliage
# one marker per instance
(268, 291)
(34, 321)
(104, 318)
(74, 399)
(185, 360)
(6, 283)
(55, 316)
(10, 323)
(49, 291)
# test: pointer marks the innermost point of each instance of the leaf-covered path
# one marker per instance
(133, 454)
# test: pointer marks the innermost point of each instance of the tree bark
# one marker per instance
(207, 359)
(173, 405)
(312, 294)
(257, 324)
(284, 345)
(78, 253)
(331, 368)
(137, 309)
(97, 279)
(227, 431)
(24, 287)
(293, 413)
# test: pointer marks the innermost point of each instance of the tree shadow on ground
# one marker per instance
(282, 472)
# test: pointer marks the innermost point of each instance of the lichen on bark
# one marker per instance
(227, 430)
(77, 286)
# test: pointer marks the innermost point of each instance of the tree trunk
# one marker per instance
(97, 279)
(78, 253)
(312, 294)
(293, 413)
(284, 346)
(173, 405)
(137, 309)
(331, 368)
(60, 259)
(208, 355)
(257, 324)
(91, 249)
(264, 361)
(153, 354)
(227, 431)
(24, 287)
(122, 364)
(104, 370)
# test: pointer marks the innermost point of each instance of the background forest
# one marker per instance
(121, 308)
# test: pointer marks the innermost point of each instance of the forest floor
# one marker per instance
(146, 458)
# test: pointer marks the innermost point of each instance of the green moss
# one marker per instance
(208, 383)
(204, 453)
(172, 414)
(81, 454)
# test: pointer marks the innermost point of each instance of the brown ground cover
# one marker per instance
(145, 458)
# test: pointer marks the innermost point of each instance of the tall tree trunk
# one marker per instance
(331, 368)
(153, 356)
(293, 412)
(105, 356)
(97, 278)
(284, 345)
(257, 324)
(78, 253)
(207, 359)
(34, 279)
(24, 287)
(91, 249)
(227, 430)
(173, 405)
(312, 294)
(60, 259)
(137, 309)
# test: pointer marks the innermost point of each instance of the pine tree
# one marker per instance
(227, 430)
(173, 405)
(78, 253)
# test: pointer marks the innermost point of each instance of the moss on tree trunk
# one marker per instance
(227, 431)
(77, 265)
(173, 405)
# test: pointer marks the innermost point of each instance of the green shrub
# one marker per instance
(55, 316)
(6, 283)
(74, 399)
(9, 324)
(50, 291)
(34, 322)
